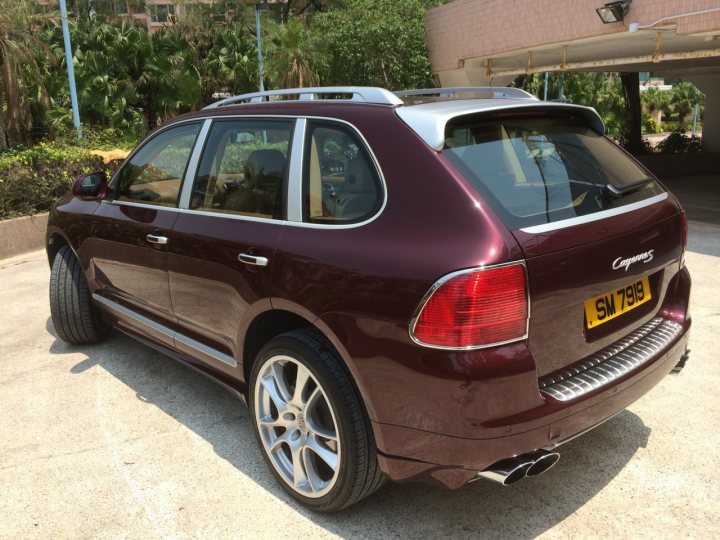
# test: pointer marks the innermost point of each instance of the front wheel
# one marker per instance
(311, 424)
(73, 314)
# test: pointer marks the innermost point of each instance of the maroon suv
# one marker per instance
(410, 286)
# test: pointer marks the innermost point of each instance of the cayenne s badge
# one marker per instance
(625, 263)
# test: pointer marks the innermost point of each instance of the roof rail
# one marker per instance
(494, 91)
(366, 94)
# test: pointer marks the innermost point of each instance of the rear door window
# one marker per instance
(243, 168)
(536, 170)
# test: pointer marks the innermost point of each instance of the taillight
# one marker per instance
(684, 233)
(475, 308)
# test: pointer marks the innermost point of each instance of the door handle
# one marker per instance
(252, 259)
(154, 239)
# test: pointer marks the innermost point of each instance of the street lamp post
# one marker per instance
(261, 6)
(70, 70)
(696, 110)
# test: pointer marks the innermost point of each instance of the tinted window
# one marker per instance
(154, 173)
(341, 182)
(542, 170)
(243, 168)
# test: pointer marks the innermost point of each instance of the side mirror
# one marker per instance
(90, 186)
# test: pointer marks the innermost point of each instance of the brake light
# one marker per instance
(475, 308)
(684, 235)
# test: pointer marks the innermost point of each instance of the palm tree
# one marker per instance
(682, 99)
(226, 60)
(19, 69)
(655, 101)
(123, 72)
(295, 55)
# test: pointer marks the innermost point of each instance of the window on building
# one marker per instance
(162, 13)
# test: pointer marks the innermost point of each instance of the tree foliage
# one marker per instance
(376, 43)
(131, 80)
(123, 74)
(604, 92)
(21, 54)
(295, 55)
(601, 91)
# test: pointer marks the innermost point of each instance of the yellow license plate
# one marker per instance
(607, 306)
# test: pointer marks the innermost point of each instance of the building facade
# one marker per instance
(480, 42)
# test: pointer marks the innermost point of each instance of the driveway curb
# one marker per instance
(21, 235)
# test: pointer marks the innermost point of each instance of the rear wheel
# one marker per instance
(73, 315)
(309, 420)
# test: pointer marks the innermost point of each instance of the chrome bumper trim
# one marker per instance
(611, 363)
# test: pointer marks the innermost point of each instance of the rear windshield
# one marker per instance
(536, 170)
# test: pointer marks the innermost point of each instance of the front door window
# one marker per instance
(154, 173)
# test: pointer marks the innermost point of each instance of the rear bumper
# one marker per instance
(413, 454)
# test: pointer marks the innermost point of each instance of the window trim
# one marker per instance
(296, 168)
(193, 164)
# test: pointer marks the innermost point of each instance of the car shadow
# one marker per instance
(481, 509)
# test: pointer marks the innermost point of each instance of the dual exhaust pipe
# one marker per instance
(510, 470)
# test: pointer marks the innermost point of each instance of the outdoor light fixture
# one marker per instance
(613, 12)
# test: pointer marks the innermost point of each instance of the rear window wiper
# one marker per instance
(614, 192)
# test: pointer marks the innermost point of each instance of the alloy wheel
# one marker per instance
(297, 426)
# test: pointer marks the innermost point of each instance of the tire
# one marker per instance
(73, 315)
(300, 432)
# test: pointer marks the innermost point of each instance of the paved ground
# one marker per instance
(116, 440)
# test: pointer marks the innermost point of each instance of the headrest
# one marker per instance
(359, 178)
(261, 164)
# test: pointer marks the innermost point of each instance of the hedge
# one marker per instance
(31, 179)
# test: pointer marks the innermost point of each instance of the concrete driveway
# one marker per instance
(116, 440)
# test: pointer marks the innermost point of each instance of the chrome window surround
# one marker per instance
(611, 363)
(603, 214)
(296, 165)
(169, 332)
(297, 155)
(446, 278)
(186, 189)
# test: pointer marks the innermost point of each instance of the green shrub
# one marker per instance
(677, 127)
(679, 143)
(647, 147)
(649, 125)
(32, 178)
(97, 138)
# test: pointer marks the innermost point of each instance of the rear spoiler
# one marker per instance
(429, 120)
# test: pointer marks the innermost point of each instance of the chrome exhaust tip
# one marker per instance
(510, 470)
(507, 471)
(542, 461)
